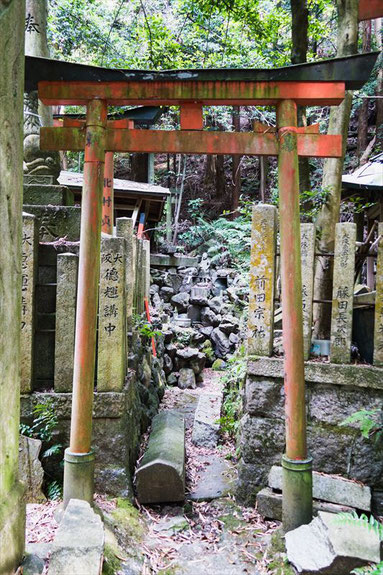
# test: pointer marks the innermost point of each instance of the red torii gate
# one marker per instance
(191, 90)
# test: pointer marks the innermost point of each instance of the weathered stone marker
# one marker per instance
(140, 277)
(343, 292)
(307, 258)
(28, 283)
(206, 420)
(79, 542)
(378, 331)
(111, 364)
(161, 475)
(125, 230)
(262, 280)
(67, 270)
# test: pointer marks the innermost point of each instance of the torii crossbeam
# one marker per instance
(316, 84)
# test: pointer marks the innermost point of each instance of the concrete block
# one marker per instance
(331, 488)
(79, 542)
(161, 475)
(269, 505)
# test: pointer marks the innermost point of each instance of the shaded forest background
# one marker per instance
(163, 34)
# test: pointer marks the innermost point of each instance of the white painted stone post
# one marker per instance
(262, 280)
(111, 362)
(343, 292)
(28, 286)
(307, 257)
(66, 295)
(378, 329)
(124, 227)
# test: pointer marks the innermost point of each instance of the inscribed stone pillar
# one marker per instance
(378, 330)
(343, 292)
(146, 268)
(67, 270)
(125, 230)
(307, 257)
(140, 277)
(111, 362)
(28, 285)
(262, 280)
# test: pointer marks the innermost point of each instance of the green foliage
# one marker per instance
(195, 208)
(232, 404)
(111, 564)
(44, 424)
(310, 202)
(369, 422)
(372, 525)
(54, 490)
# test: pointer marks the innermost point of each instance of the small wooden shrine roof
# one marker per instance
(354, 71)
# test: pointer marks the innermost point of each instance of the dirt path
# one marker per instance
(205, 537)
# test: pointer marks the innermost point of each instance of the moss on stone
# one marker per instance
(111, 563)
(277, 550)
(126, 519)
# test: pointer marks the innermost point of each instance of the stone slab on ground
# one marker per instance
(198, 559)
(269, 505)
(206, 420)
(161, 475)
(171, 524)
(217, 480)
(32, 564)
(331, 488)
(79, 542)
(329, 545)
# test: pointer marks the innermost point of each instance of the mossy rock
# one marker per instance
(126, 522)
(219, 365)
(111, 564)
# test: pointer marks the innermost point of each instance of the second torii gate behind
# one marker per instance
(308, 85)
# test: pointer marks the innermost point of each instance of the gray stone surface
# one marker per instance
(56, 222)
(171, 525)
(331, 488)
(206, 420)
(161, 475)
(378, 321)
(331, 546)
(269, 505)
(221, 343)
(67, 269)
(199, 296)
(32, 565)
(159, 260)
(208, 317)
(30, 469)
(307, 260)
(187, 379)
(316, 372)
(217, 480)
(41, 550)
(264, 397)
(42, 194)
(181, 301)
(79, 542)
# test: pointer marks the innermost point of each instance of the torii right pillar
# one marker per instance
(296, 464)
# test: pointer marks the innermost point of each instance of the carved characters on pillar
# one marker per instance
(36, 162)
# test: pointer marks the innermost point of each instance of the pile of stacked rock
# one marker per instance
(198, 310)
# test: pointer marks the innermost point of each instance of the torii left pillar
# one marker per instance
(79, 457)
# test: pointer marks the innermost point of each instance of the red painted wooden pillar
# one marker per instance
(108, 195)
(79, 458)
(297, 478)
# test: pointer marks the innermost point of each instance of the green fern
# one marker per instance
(371, 524)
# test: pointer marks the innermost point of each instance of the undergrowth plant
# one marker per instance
(233, 381)
(43, 426)
(369, 421)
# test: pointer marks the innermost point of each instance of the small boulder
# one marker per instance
(181, 301)
(168, 364)
(219, 365)
(208, 317)
(216, 304)
(198, 363)
(187, 379)
(194, 313)
(229, 324)
(206, 331)
(199, 296)
(221, 343)
(30, 469)
(172, 379)
(166, 293)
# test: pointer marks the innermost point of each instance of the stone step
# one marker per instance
(161, 475)
(331, 488)
(79, 542)
(332, 545)
(217, 480)
(269, 505)
(206, 420)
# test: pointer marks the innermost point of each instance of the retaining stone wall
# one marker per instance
(334, 392)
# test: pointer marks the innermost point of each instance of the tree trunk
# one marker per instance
(11, 189)
(236, 166)
(379, 90)
(220, 181)
(299, 27)
(347, 44)
(140, 166)
(363, 111)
